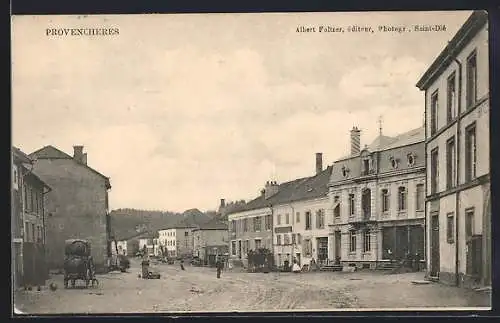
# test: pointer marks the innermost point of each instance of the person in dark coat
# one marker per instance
(182, 264)
(219, 265)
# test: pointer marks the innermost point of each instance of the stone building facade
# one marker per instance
(377, 200)
(77, 206)
(457, 143)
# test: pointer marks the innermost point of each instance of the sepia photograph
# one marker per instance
(250, 162)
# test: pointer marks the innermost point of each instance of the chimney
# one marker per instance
(355, 141)
(270, 189)
(78, 153)
(319, 163)
(84, 159)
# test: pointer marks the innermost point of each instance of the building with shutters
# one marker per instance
(27, 222)
(378, 201)
(289, 219)
(457, 144)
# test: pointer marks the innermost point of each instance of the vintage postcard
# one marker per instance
(251, 162)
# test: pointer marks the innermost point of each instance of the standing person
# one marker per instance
(218, 264)
(182, 264)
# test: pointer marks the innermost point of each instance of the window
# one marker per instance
(258, 244)
(411, 160)
(419, 199)
(451, 104)
(294, 240)
(351, 205)
(367, 241)
(308, 220)
(336, 208)
(279, 259)
(402, 198)
(287, 218)
(320, 219)
(35, 202)
(246, 246)
(278, 239)
(394, 162)
(245, 225)
(186, 234)
(352, 241)
(286, 239)
(297, 217)
(385, 200)
(470, 153)
(469, 224)
(25, 188)
(269, 222)
(450, 224)
(366, 167)
(471, 80)
(434, 171)
(450, 163)
(278, 219)
(434, 112)
(257, 223)
(345, 171)
(233, 248)
(233, 226)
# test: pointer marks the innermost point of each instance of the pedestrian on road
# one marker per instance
(182, 264)
(218, 264)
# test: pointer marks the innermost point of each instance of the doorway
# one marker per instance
(322, 245)
(435, 246)
(338, 247)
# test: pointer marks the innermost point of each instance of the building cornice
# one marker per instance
(463, 36)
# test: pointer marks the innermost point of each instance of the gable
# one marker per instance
(49, 152)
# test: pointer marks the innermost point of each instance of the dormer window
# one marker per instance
(345, 171)
(394, 162)
(411, 160)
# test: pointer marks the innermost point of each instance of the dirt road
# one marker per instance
(198, 289)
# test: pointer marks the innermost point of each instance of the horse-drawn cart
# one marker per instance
(78, 263)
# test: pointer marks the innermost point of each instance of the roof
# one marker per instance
(51, 152)
(385, 142)
(213, 225)
(407, 138)
(180, 226)
(468, 30)
(25, 159)
(20, 155)
(299, 189)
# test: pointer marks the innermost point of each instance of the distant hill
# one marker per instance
(126, 223)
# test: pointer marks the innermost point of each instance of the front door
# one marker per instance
(435, 246)
(338, 248)
(297, 256)
(322, 245)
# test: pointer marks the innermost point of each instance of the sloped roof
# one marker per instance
(407, 138)
(20, 155)
(213, 225)
(51, 152)
(300, 189)
(385, 142)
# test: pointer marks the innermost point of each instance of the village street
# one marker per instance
(198, 289)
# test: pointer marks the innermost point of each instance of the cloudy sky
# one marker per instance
(182, 110)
